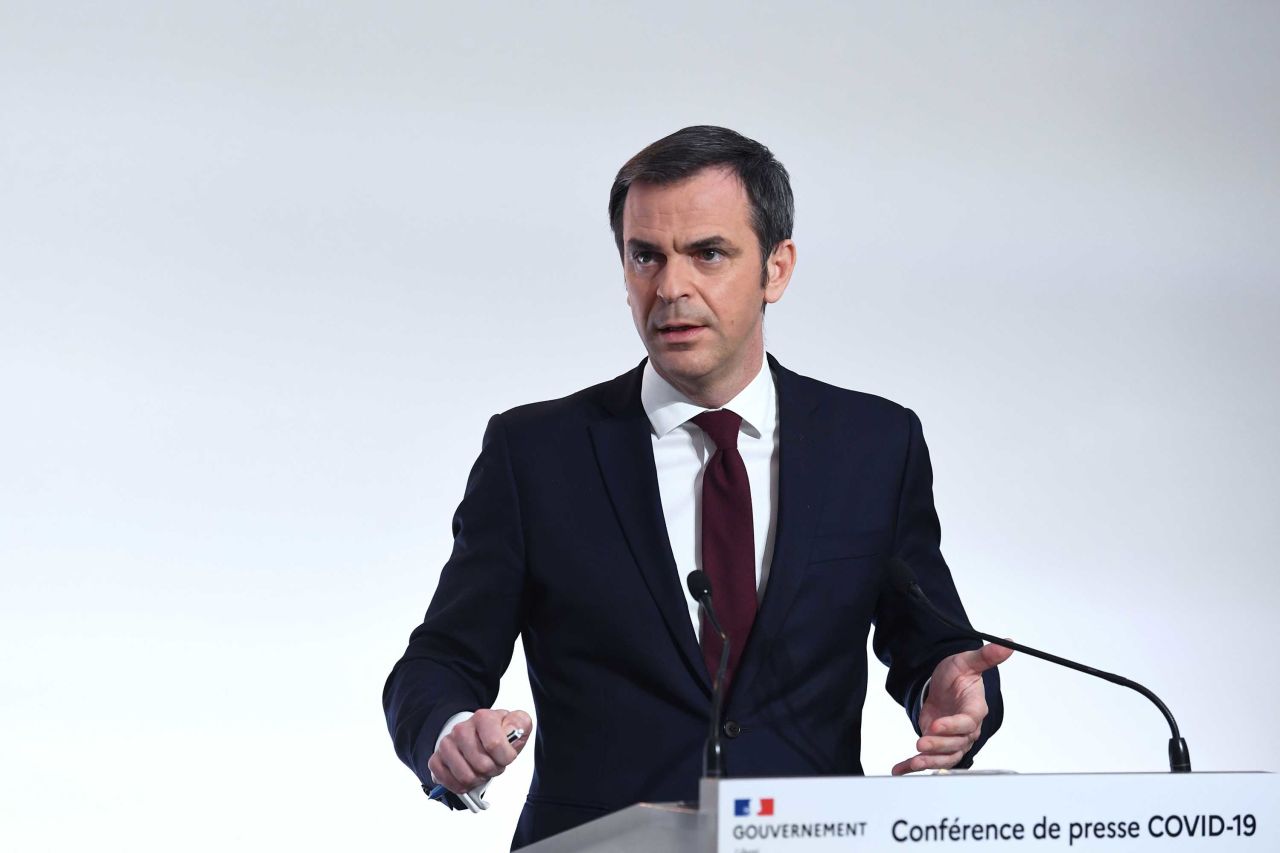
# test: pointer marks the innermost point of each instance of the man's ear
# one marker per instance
(777, 270)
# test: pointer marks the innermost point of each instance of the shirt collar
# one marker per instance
(667, 408)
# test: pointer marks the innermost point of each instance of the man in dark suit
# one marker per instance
(582, 516)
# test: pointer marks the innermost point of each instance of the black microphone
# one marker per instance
(712, 760)
(903, 580)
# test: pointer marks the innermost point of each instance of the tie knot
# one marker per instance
(722, 425)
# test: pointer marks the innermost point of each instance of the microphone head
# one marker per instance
(901, 576)
(699, 586)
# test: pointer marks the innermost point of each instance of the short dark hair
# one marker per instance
(687, 152)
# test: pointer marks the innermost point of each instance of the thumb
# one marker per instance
(518, 720)
(980, 660)
(993, 655)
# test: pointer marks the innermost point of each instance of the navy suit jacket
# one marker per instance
(560, 540)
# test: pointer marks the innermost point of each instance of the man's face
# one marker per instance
(692, 267)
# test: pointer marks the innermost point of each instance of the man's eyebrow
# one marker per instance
(715, 241)
(634, 245)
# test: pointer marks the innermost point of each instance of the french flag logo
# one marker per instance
(753, 808)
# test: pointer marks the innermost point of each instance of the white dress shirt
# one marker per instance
(681, 451)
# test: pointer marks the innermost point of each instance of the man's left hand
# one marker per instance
(952, 714)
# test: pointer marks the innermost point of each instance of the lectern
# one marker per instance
(950, 811)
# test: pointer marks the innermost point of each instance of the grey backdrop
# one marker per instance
(266, 268)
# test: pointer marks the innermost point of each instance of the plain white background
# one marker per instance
(266, 269)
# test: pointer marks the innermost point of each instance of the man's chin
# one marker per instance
(680, 366)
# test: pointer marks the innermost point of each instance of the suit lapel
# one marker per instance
(624, 451)
(802, 490)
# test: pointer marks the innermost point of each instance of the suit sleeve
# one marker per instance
(908, 640)
(458, 654)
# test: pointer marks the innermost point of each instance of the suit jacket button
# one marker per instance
(732, 729)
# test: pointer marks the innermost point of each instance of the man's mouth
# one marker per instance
(678, 331)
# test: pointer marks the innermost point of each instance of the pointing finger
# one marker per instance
(901, 768)
(927, 762)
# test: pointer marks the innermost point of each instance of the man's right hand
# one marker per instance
(476, 750)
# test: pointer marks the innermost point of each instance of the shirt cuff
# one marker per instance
(919, 704)
(449, 724)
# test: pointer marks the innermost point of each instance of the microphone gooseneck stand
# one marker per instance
(712, 758)
(904, 581)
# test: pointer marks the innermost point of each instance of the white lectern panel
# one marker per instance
(1088, 812)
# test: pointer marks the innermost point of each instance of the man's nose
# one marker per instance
(675, 281)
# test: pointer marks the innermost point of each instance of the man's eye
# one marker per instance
(642, 258)
(710, 255)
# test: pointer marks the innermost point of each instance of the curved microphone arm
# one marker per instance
(904, 580)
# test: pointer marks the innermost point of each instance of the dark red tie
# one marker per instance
(728, 540)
